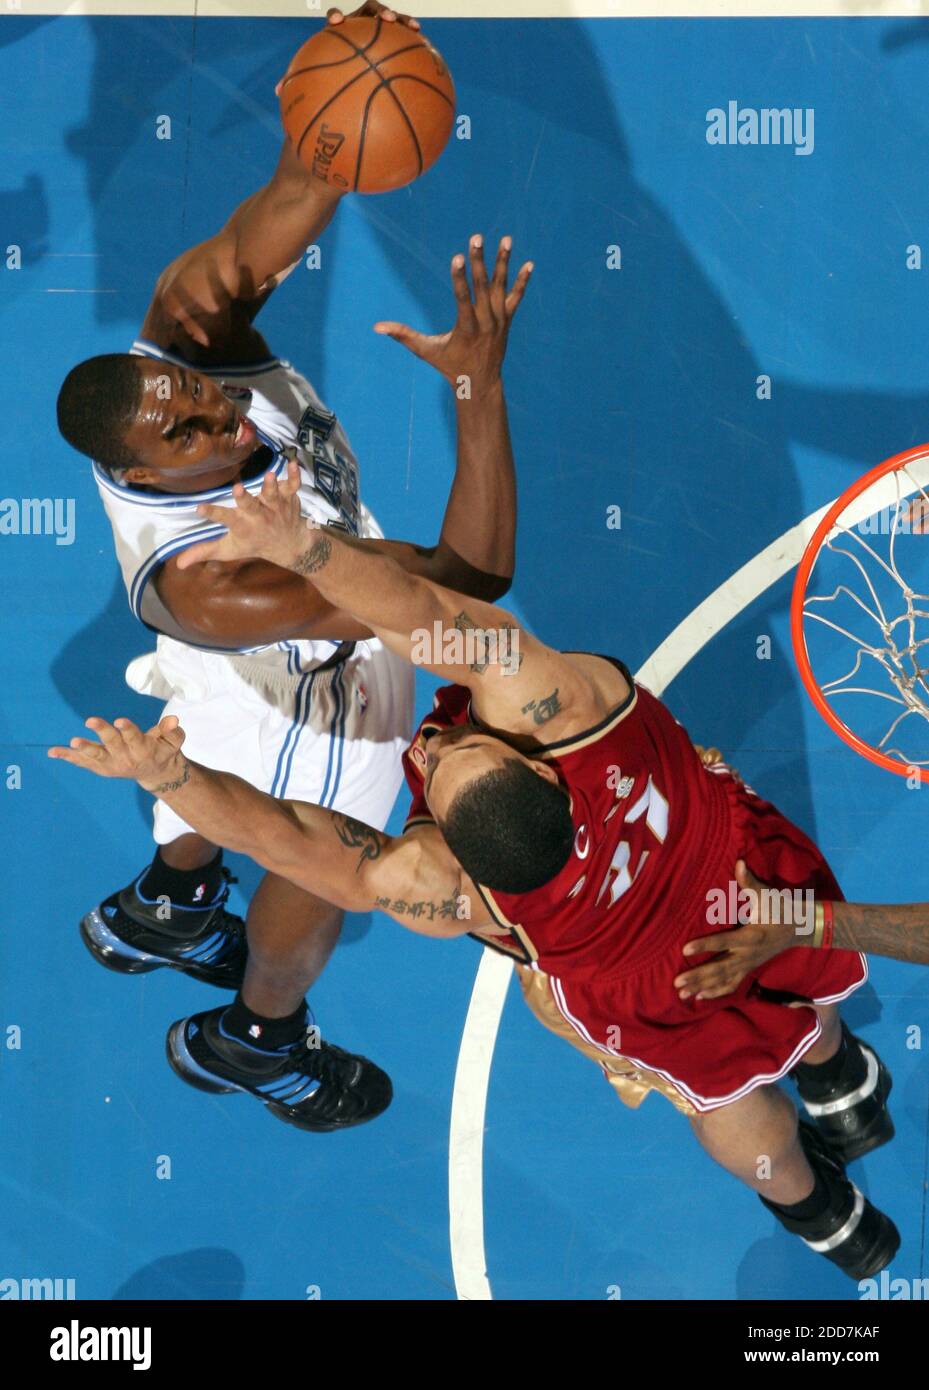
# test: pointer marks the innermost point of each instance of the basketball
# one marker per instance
(368, 105)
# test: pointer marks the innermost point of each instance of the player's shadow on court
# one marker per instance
(24, 216)
(863, 1009)
(194, 1275)
(248, 875)
(88, 671)
(24, 211)
(779, 1262)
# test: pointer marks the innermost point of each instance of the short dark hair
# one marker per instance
(510, 829)
(98, 401)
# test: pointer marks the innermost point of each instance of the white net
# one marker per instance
(866, 615)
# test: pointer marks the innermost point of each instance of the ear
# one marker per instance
(545, 770)
(140, 477)
(418, 755)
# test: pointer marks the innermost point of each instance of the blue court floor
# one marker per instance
(633, 387)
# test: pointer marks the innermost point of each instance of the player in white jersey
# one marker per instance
(268, 679)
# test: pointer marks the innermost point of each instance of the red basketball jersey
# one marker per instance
(653, 835)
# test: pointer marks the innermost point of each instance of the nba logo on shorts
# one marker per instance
(362, 698)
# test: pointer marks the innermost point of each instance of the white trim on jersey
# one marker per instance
(207, 532)
(174, 547)
(187, 499)
(151, 527)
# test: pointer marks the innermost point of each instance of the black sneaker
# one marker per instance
(125, 934)
(856, 1121)
(852, 1233)
(317, 1087)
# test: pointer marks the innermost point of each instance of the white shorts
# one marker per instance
(334, 738)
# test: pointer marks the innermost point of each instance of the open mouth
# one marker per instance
(245, 434)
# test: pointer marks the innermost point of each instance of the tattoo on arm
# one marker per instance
(899, 931)
(486, 646)
(545, 709)
(448, 907)
(512, 657)
(174, 786)
(356, 835)
(477, 646)
(315, 558)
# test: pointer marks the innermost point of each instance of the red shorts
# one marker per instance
(714, 1051)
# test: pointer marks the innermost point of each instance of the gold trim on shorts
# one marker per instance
(631, 1083)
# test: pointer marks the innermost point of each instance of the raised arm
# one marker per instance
(221, 593)
(412, 878)
(205, 300)
(476, 551)
(520, 685)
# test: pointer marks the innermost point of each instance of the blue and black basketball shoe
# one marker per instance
(133, 935)
(311, 1083)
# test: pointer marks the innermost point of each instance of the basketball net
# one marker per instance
(860, 615)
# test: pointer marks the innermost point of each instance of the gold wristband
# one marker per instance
(819, 918)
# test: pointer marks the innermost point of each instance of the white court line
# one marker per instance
(485, 9)
(472, 1074)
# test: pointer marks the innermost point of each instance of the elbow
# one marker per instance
(452, 571)
(497, 587)
(489, 588)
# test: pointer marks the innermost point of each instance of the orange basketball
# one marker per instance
(368, 105)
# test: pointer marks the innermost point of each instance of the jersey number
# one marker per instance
(335, 476)
(620, 876)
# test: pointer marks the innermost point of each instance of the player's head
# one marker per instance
(154, 424)
(505, 817)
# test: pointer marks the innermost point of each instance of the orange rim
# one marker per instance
(798, 637)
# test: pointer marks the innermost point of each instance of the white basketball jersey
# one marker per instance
(291, 420)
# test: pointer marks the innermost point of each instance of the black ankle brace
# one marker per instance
(841, 1073)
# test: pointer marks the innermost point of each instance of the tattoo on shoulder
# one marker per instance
(315, 558)
(356, 835)
(545, 709)
(174, 786)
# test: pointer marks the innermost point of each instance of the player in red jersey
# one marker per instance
(562, 815)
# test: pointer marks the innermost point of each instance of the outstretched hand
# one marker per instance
(268, 526)
(744, 948)
(152, 759)
(475, 348)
